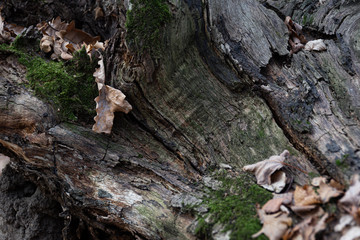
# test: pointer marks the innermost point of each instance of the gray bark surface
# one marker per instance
(224, 91)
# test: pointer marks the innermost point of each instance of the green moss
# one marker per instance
(307, 19)
(234, 207)
(341, 163)
(69, 86)
(144, 23)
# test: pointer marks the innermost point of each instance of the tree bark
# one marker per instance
(224, 91)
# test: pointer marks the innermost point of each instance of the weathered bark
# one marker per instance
(224, 91)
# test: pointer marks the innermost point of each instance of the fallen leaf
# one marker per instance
(317, 180)
(46, 43)
(99, 74)
(305, 195)
(352, 195)
(308, 228)
(274, 225)
(4, 160)
(344, 221)
(273, 205)
(296, 38)
(14, 29)
(336, 185)
(67, 39)
(307, 211)
(5, 36)
(352, 234)
(98, 13)
(110, 100)
(326, 192)
(287, 197)
(267, 172)
(315, 45)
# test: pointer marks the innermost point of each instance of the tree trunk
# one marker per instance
(225, 90)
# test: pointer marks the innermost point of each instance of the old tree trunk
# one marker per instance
(223, 90)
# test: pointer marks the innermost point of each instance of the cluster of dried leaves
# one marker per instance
(305, 211)
(62, 39)
(297, 40)
(8, 31)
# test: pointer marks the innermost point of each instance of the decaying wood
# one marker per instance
(225, 91)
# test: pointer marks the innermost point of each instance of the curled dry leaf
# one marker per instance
(110, 100)
(315, 45)
(287, 197)
(66, 39)
(296, 39)
(308, 228)
(352, 234)
(46, 43)
(99, 74)
(336, 185)
(304, 196)
(326, 192)
(8, 31)
(98, 13)
(4, 160)
(268, 173)
(273, 205)
(274, 225)
(316, 181)
(307, 211)
(344, 221)
(352, 195)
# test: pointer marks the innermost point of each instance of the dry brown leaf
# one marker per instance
(308, 228)
(46, 43)
(14, 29)
(274, 225)
(296, 39)
(307, 211)
(99, 74)
(352, 234)
(98, 13)
(66, 56)
(287, 197)
(305, 195)
(344, 221)
(352, 195)
(5, 35)
(326, 192)
(67, 39)
(267, 172)
(336, 185)
(315, 45)
(273, 205)
(4, 160)
(110, 100)
(316, 181)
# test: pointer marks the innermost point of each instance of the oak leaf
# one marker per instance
(326, 192)
(4, 160)
(274, 225)
(305, 195)
(268, 173)
(352, 195)
(317, 180)
(46, 43)
(110, 100)
(308, 228)
(315, 45)
(273, 205)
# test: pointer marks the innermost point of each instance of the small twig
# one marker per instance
(288, 165)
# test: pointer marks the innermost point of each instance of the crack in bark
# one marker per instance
(159, 138)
